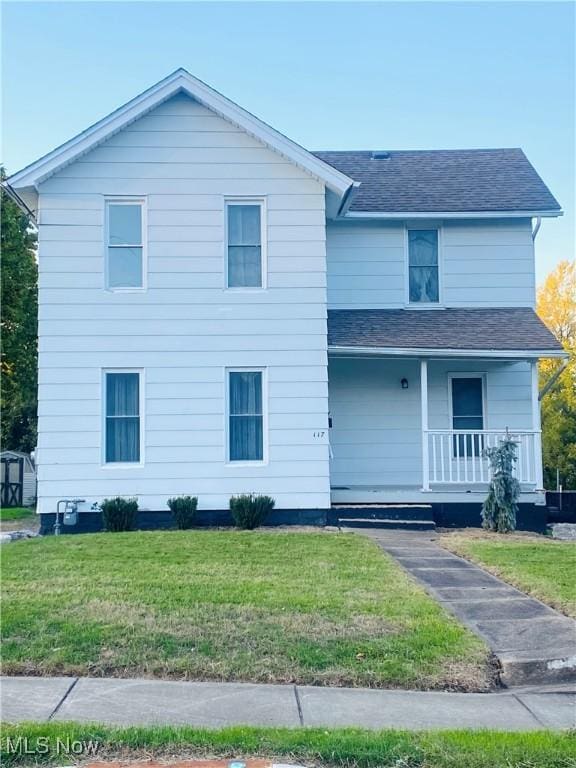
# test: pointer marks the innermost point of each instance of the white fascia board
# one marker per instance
(500, 354)
(452, 214)
(179, 81)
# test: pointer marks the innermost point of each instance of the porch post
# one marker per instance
(424, 417)
(537, 427)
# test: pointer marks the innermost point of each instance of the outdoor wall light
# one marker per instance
(404, 383)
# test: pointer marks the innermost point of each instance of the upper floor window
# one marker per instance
(423, 277)
(245, 246)
(122, 417)
(124, 244)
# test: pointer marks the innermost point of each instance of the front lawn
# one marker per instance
(542, 567)
(320, 608)
(349, 748)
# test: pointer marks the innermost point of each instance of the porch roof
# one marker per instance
(511, 330)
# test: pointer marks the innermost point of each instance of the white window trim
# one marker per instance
(261, 201)
(418, 304)
(467, 375)
(141, 400)
(246, 462)
(142, 202)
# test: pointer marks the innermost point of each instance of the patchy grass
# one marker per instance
(352, 748)
(540, 566)
(319, 608)
(17, 518)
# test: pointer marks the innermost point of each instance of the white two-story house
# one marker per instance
(222, 311)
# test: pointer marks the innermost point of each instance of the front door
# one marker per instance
(467, 399)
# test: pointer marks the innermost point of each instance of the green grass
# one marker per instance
(539, 566)
(15, 513)
(319, 608)
(351, 748)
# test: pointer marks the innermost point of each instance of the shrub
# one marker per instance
(183, 509)
(250, 510)
(119, 514)
(500, 508)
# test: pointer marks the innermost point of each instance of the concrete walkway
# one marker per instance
(534, 643)
(217, 705)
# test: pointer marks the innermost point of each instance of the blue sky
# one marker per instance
(331, 75)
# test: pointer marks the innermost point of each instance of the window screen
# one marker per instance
(244, 246)
(122, 417)
(423, 266)
(246, 416)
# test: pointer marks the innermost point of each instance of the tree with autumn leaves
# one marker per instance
(556, 305)
(19, 351)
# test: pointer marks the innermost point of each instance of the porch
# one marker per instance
(416, 397)
(415, 430)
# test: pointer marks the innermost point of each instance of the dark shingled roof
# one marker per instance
(514, 328)
(465, 180)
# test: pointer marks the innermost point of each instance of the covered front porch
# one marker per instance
(414, 429)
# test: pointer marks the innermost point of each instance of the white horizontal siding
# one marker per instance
(246, 185)
(156, 344)
(179, 312)
(174, 171)
(185, 329)
(489, 263)
(190, 251)
(211, 451)
(170, 296)
(180, 139)
(73, 202)
(188, 328)
(180, 280)
(483, 263)
(375, 435)
(365, 265)
(132, 359)
(508, 393)
(174, 390)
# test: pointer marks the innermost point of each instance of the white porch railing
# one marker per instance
(457, 456)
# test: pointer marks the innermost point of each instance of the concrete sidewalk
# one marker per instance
(216, 705)
(534, 644)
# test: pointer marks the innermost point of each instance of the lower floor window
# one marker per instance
(122, 423)
(245, 416)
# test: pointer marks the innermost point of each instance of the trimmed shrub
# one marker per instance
(119, 514)
(250, 510)
(183, 510)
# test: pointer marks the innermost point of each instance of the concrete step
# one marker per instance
(544, 667)
(383, 523)
(384, 512)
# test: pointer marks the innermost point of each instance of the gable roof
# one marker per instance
(178, 82)
(437, 181)
(483, 182)
(494, 329)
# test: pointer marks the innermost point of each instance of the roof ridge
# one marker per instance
(370, 151)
